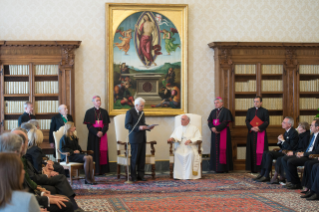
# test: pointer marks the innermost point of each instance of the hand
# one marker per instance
(76, 152)
(99, 134)
(299, 154)
(58, 201)
(281, 137)
(43, 210)
(151, 127)
(171, 139)
(290, 153)
(188, 142)
(53, 173)
(46, 172)
(213, 129)
(142, 127)
(52, 145)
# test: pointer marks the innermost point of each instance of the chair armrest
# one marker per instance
(67, 154)
(45, 158)
(276, 149)
(125, 147)
(170, 146)
(152, 143)
(89, 152)
(199, 143)
(313, 156)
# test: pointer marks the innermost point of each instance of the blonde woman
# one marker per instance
(34, 153)
(69, 143)
(12, 196)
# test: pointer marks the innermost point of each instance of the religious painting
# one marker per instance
(147, 57)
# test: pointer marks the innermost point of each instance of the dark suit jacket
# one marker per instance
(291, 140)
(315, 149)
(35, 155)
(56, 123)
(25, 118)
(137, 136)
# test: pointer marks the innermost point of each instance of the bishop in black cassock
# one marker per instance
(97, 120)
(221, 146)
(254, 146)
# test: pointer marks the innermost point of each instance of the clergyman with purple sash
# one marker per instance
(221, 147)
(257, 141)
(97, 121)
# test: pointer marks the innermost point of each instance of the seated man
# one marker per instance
(186, 160)
(10, 142)
(27, 115)
(311, 181)
(290, 164)
(288, 141)
(304, 135)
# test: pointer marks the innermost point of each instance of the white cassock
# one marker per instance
(186, 158)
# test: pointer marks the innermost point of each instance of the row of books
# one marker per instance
(14, 107)
(271, 85)
(268, 103)
(19, 69)
(46, 70)
(16, 87)
(11, 124)
(47, 87)
(310, 85)
(309, 69)
(307, 119)
(273, 120)
(46, 106)
(272, 69)
(250, 85)
(309, 103)
(245, 69)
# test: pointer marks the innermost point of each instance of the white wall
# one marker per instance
(209, 20)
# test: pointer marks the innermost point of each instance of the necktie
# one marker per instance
(311, 142)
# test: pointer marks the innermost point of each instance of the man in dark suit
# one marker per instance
(301, 158)
(27, 115)
(288, 141)
(135, 123)
(58, 121)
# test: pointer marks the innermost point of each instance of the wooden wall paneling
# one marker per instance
(258, 79)
(2, 87)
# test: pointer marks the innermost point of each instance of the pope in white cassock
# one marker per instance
(186, 158)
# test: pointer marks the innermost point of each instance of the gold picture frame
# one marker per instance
(147, 56)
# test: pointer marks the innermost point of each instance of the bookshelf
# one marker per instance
(38, 71)
(286, 75)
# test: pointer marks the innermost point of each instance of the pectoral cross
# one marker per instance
(98, 121)
(215, 121)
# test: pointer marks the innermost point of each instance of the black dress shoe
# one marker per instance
(141, 179)
(313, 197)
(272, 182)
(303, 192)
(263, 179)
(294, 186)
(257, 178)
(308, 194)
(92, 183)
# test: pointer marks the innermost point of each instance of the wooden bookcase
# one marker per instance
(288, 68)
(26, 63)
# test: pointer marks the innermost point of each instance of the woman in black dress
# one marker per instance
(69, 143)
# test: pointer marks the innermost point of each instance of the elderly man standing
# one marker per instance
(221, 159)
(58, 121)
(135, 123)
(186, 158)
(27, 115)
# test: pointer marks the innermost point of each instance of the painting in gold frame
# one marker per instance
(146, 56)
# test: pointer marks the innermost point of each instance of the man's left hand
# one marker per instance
(188, 142)
(53, 173)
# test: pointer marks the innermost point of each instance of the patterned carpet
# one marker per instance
(215, 192)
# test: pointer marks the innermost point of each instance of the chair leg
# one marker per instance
(70, 170)
(171, 169)
(153, 171)
(118, 171)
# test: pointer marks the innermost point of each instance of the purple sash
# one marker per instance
(222, 142)
(260, 147)
(103, 143)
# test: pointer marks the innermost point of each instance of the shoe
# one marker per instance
(313, 197)
(303, 192)
(79, 210)
(93, 183)
(294, 186)
(263, 179)
(272, 182)
(308, 194)
(141, 179)
(257, 178)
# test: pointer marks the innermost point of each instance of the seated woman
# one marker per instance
(69, 143)
(12, 196)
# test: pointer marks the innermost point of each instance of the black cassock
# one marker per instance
(225, 117)
(91, 116)
(25, 117)
(251, 156)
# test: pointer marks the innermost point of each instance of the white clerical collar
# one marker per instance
(257, 108)
(220, 108)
